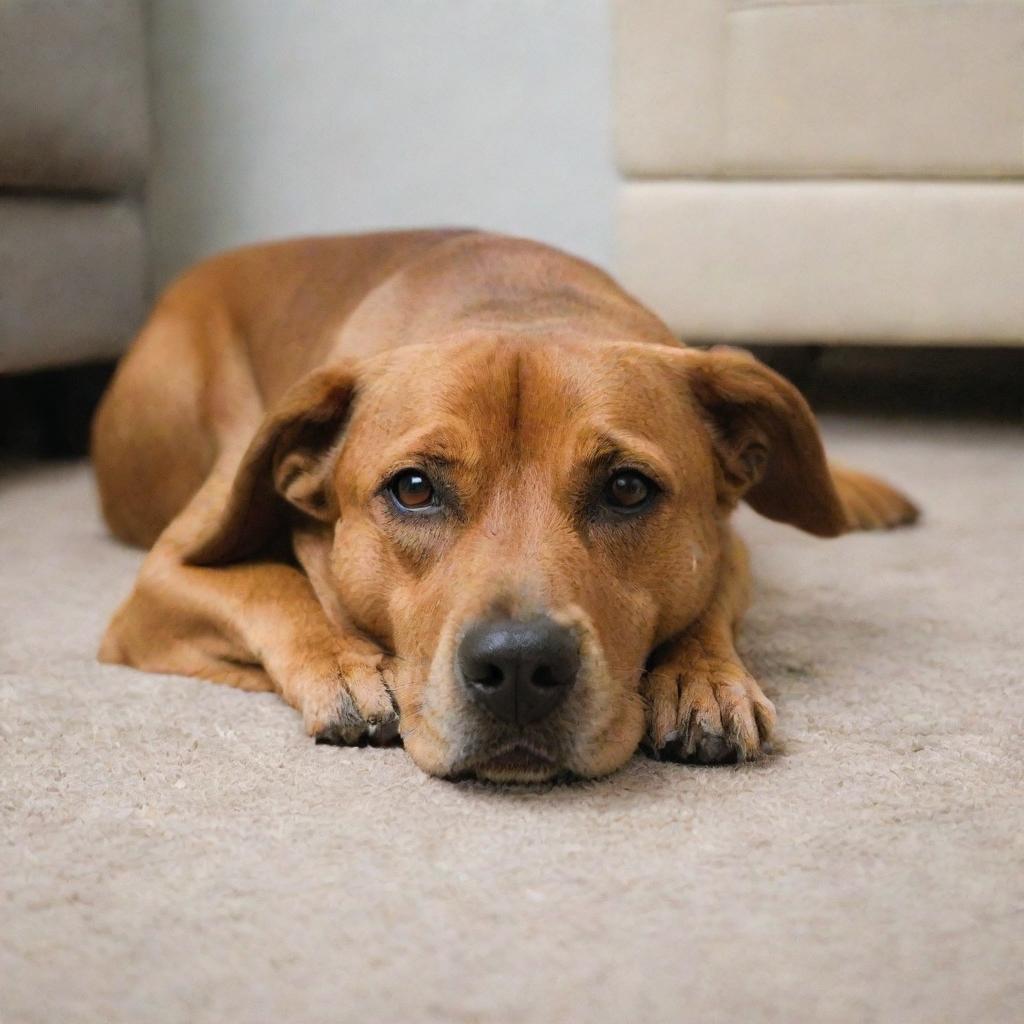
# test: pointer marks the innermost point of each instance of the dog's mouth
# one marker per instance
(517, 763)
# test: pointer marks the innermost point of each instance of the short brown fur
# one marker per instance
(248, 431)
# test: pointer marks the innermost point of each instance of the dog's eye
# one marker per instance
(628, 491)
(412, 490)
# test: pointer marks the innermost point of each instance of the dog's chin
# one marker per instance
(515, 765)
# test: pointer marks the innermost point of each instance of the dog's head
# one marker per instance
(523, 524)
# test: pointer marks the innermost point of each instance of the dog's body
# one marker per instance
(460, 484)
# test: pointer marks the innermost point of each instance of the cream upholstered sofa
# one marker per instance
(824, 170)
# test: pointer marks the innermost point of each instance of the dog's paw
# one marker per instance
(351, 705)
(708, 713)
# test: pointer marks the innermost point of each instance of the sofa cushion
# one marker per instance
(820, 87)
(72, 280)
(72, 95)
(814, 261)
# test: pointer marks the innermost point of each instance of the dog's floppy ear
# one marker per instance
(766, 441)
(287, 462)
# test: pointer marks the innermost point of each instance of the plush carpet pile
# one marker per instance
(176, 851)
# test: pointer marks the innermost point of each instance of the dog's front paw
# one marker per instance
(710, 712)
(349, 704)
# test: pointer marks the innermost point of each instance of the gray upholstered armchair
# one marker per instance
(74, 144)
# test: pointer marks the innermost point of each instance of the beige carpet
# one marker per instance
(174, 851)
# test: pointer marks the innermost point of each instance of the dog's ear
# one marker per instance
(766, 441)
(288, 462)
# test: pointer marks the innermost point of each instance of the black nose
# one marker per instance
(519, 670)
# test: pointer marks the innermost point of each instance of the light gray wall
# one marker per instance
(283, 117)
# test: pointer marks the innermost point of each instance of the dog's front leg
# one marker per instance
(258, 626)
(703, 705)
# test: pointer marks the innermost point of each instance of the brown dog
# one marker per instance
(457, 485)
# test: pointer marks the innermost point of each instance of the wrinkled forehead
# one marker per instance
(488, 398)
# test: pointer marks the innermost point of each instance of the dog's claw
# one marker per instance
(697, 748)
(701, 749)
(365, 734)
(714, 750)
(384, 733)
(340, 734)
